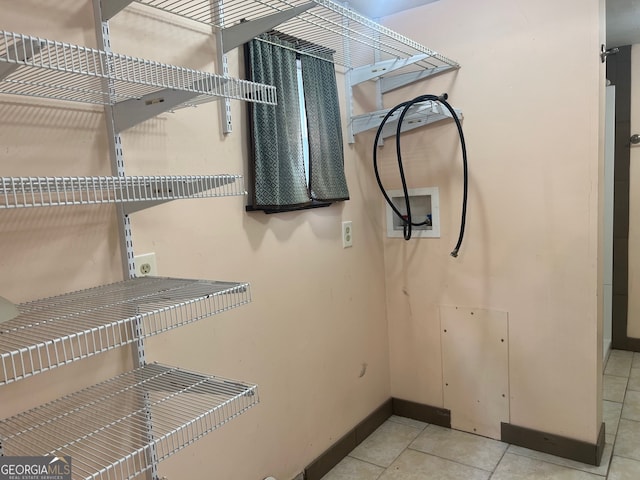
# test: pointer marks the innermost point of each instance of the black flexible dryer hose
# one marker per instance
(407, 220)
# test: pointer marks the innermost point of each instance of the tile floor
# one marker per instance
(404, 449)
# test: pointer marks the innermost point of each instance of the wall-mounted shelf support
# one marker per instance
(116, 153)
(418, 115)
(240, 33)
(22, 52)
(378, 69)
(217, 12)
(229, 38)
(129, 113)
(392, 82)
(110, 8)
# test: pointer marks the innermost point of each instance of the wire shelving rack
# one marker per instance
(38, 67)
(121, 428)
(18, 192)
(367, 50)
(324, 26)
(104, 428)
(56, 331)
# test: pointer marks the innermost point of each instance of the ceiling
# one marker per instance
(623, 22)
(623, 16)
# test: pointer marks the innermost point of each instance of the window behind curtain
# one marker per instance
(279, 179)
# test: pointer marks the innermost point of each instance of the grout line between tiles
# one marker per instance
(390, 419)
(624, 399)
(384, 469)
(624, 456)
(499, 462)
(566, 466)
(618, 376)
(610, 460)
(456, 461)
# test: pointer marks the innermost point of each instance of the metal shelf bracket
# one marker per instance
(22, 51)
(129, 113)
(396, 81)
(418, 116)
(241, 33)
(370, 72)
(130, 208)
(110, 8)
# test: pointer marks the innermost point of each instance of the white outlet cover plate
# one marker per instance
(347, 234)
(146, 258)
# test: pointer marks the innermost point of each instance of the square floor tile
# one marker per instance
(414, 465)
(462, 447)
(636, 360)
(631, 406)
(517, 467)
(565, 462)
(628, 440)
(621, 353)
(354, 469)
(408, 421)
(384, 445)
(611, 412)
(619, 363)
(624, 469)
(614, 388)
(634, 379)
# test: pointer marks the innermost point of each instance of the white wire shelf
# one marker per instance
(322, 25)
(17, 192)
(56, 331)
(44, 68)
(104, 428)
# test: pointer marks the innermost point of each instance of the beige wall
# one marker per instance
(529, 87)
(318, 311)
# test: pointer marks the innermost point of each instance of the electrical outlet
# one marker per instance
(347, 234)
(146, 265)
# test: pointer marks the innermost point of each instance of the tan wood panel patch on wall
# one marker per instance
(475, 363)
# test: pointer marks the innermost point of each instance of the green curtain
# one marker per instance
(327, 181)
(279, 175)
(279, 180)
